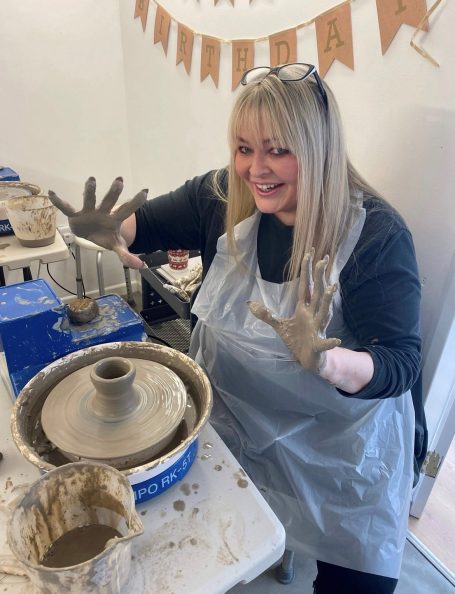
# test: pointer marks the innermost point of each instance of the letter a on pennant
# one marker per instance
(394, 13)
(283, 47)
(141, 10)
(242, 60)
(162, 26)
(210, 58)
(334, 38)
(185, 39)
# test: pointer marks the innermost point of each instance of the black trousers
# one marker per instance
(332, 579)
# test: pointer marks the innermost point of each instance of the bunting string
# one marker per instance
(420, 27)
(333, 37)
(228, 40)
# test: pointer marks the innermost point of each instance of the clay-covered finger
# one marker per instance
(90, 194)
(306, 277)
(108, 202)
(324, 313)
(65, 207)
(326, 344)
(127, 209)
(320, 280)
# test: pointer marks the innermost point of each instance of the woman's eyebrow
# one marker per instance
(265, 141)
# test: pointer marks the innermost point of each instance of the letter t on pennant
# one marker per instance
(210, 58)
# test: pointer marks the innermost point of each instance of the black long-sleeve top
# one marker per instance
(379, 285)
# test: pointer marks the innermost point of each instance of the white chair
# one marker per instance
(79, 243)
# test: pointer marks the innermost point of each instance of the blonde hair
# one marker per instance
(295, 116)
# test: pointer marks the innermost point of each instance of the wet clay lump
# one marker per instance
(78, 545)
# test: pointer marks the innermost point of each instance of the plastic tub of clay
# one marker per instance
(8, 190)
(33, 219)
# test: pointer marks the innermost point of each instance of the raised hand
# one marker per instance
(101, 224)
(304, 333)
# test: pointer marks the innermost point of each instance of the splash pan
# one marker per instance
(154, 475)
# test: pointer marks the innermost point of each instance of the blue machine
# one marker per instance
(7, 174)
(35, 329)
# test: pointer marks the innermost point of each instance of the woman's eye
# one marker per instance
(244, 150)
(279, 151)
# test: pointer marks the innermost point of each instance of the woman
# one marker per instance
(311, 384)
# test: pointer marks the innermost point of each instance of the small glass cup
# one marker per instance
(178, 259)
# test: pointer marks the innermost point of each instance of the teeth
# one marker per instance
(265, 187)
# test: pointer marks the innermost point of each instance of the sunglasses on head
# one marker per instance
(286, 73)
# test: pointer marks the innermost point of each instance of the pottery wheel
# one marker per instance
(83, 421)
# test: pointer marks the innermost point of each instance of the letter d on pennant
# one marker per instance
(283, 47)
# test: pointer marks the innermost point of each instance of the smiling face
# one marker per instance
(271, 173)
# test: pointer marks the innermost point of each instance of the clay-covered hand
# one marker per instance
(101, 224)
(304, 333)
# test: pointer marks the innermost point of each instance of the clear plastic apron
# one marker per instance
(336, 470)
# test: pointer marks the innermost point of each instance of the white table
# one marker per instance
(204, 535)
(14, 255)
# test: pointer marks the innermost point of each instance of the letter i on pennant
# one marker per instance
(162, 27)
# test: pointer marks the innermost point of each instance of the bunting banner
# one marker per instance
(394, 13)
(283, 47)
(242, 59)
(334, 37)
(210, 58)
(141, 10)
(162, 27)
(185, 37)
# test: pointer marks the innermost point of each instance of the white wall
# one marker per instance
(62, 104)
(85, 92)
(398, 110)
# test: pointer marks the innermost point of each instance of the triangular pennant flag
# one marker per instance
(334, 38)
(185, 38)
(141, 10)
(394, 13)
(283, 47)
(162, 26)
(242, 59)
(210, 58)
